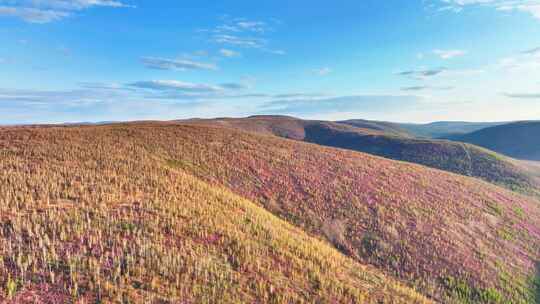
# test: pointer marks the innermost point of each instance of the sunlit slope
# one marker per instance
(386, 140)
(97, 215)
(455, 238)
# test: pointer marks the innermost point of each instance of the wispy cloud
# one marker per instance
(343, 104)
(45, 11)
(96, 93)
(449, 54)
(442, 72)
(529, 6)
(535, 51)
(239, 25)
(176, 64)
(275, 52)
(40, 106)
(102, 86)
(233, 86)
(298, 95)
(423, 88)
(244, 33)
(423, 73)
(67, 97)
(526, 60)
(247, 42)
(229, 53)
(322, 71)
(180, 86)
(532, 7)
(523, 95)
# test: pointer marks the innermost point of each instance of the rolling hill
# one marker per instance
(453, 238)
(439, 129)
(520, 140)
(381, 140)
(144, 212)
(442, 129)
(99, 215)
(388, 128)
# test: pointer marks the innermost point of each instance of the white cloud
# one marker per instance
(276, 52)
(254, 26)
(340, 104)
(33, 15)
(423, 88)
(526, 61)
(247, 42)
(422, 74)
(176, 64)
(45, 11)
(322, 71)
(102, 86)
(70, 97)
(442, 72)
(174, 85)
(523, 95)
(239, 25)
(243, 33)
(229, 53)
(180, 86)
(529, 6)
(449, 54)
(535, 51)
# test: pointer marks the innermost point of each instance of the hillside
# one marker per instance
(95, 214)
(443, 129)
(439, 129)
(454, 238)
(388, 128)
(520, 140)
(450, 156)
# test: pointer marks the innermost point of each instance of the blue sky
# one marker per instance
(413, 61)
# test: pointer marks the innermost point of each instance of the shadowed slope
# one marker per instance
(455, 238)
(520, 140)
(95, 214)
(388, 128)
(450, 156)
(442, 129)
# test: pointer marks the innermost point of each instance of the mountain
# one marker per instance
(519, 140)
(381, 140)
(150, 212)
(453, 238)
(99, 214)
(388, 128)
(443, 129)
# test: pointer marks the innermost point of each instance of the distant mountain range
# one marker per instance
(519, 140)
(443, 129)
(440, 129)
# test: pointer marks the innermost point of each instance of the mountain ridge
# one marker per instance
(519, 140)
(377, 139)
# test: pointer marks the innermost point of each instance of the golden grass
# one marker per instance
(88, 215)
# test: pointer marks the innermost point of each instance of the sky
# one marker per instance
(405, 61)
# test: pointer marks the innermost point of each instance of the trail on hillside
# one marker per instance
(469, 158)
